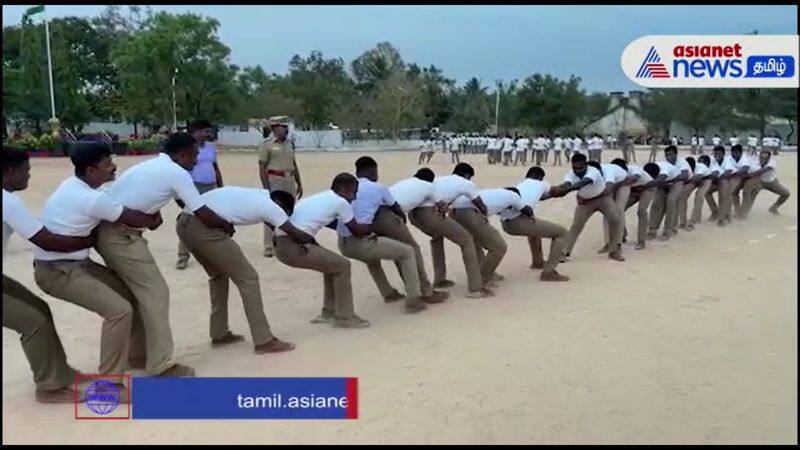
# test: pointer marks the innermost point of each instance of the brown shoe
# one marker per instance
(553, 276)
(616, 256)
(228, 338)
(436, 297)
(181, 264)
(774, 211)
(603, 250)
(415, 306)
(178, 370)
(274, 345)
(63, 395)
(394, 297)
(444, 284)
(537, 265)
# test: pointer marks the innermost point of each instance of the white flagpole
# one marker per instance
(50, 69)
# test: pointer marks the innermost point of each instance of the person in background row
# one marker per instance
(206, 174)
(23, 311)
(558, 148)
(277, 168)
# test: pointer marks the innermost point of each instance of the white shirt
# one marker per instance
(701, 141)
(74, 209)
(547, 143)
(522, 144)
(727, 164)
(17, 218)
(532, 191)
(245, 206)
(558, 143)
(701, 169)
(507, 144)
(503, 202)
(369, 198)
(644, 177)
(592, 190)
(151, 184)
(694, 140)
(767, 176)
(744, 161)
(314, 213)
(674, 141)
(716, 140)
(668, 169)
(752, 141)
(450, 187)
(613, 173)
(413, 192)
(684, 165)
(733, 140)
(576, 143)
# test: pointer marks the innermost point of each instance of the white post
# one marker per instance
(50, 70)
(174, 103)
(497, 109)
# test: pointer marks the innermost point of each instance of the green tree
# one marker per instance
(321, 86)
(549, 104)
(472, 108)
(375, 65)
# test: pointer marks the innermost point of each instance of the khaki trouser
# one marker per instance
(644, 197)
(535, 230)
(699, 198)
(386, 223)
(557, 157)
(439, 227)
(683, 203)
(278, 183)
(29, 315)
(183, 251)
(605, 204)
(620, 200)
(665, 207)
(486, 237)
(539, 157)
(97, 288)
(338, 292)
(722, 188)
(125, 251)
(223, 261)
(736, 188)
(753, 187)
(372, 249)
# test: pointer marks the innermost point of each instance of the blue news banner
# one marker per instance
(244, 398)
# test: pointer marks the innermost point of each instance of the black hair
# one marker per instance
(652, 169)
(284, 199)
(736, 148)
(578, 157)
(719, 148)
(14, 158)
(514, 190)
(199, 124)
(425, 174)
(691, 162)
(365, 163)
(621, 162)
(671, 148)
(596, 165)
(464, 169)
(705, 159)
(535, 172)
(343, 180)
(177, 142)
(88, 155)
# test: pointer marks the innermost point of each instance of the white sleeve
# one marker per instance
(344, 212)
(568, 177)
(470, 190)
(274, 214)
(594, 175)
(17, 216)
(187, 192)
(388, 198)
(104, 208)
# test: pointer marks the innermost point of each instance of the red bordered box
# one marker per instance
(116, 378)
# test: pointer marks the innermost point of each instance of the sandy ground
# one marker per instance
(690, 341)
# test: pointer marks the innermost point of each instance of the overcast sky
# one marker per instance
(489, 42)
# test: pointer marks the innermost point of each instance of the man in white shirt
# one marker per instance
(147, 187)
(643, 191)
(752, 145)
(763, 176)
(426, 203)
(508, 149)
(472, 215)
(75, 208)
(371, 250)
(311, 215)
(693, 143)
(734, 140)
(23, 311)
(665, 204)
(223, 259)
(701, 144)
(592, 196)
(598, 149)
(674, 140)
(743, 164)
(532, 190)
(491, 143)
(455, 145)
(522, 150)
(619, 181)
(716, 140)
(548, 143)
(725, 168)
(704, 177)
(558, 148)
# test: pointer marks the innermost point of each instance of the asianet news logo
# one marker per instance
(746, 61)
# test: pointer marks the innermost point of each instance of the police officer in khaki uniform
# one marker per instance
(277, 167)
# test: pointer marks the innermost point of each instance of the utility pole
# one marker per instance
(497, 109)
(174, 103)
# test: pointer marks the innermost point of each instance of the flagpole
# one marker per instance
(50, 69)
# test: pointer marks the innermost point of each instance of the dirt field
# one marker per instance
(690, 341)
